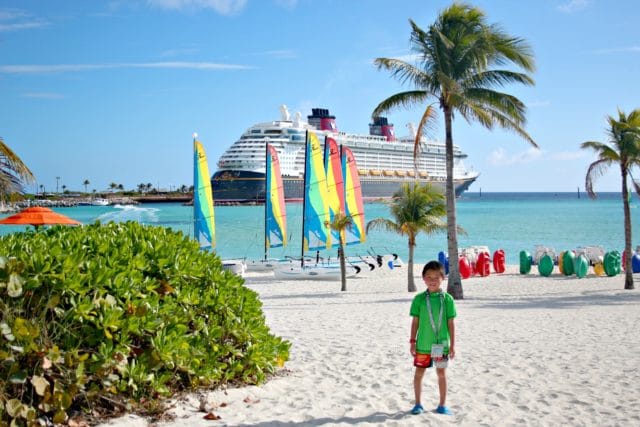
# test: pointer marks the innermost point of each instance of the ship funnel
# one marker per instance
(381, 127)
(322, 120)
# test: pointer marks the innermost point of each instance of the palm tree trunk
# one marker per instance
(343, 267)
(454, 286)
(410, 281)
(628, 269)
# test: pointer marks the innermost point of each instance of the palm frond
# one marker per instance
(594, 171)
(427, 123)
(507, 104)
(12, 162)
(402, 71)
(406, 99)
(490, 78)
(382, 223)
(481, 112)
(603, 151)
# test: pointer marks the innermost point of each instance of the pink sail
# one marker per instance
(353, 197)
(335, 183)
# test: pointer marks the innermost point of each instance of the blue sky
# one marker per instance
(111, 91)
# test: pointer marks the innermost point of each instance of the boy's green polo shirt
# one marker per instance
(426, 335)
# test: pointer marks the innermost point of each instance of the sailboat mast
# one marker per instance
(304, 192)
(266, 195)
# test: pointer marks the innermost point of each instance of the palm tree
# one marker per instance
(414, 208)
(13, 172)
(340, 223)
(113, 186)
(623, 149)
(85, 183)
(455, 72)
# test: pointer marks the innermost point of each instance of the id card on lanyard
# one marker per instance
(437, 349)
(434, 327)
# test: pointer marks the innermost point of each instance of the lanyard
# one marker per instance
(435, 329)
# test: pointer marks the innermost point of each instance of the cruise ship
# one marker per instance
(384, 161)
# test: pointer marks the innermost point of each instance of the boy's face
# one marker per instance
(433, 279)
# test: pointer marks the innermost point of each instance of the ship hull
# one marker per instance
(249, 187)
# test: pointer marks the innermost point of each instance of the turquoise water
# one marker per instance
(509, 221)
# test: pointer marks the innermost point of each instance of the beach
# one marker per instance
(530, 350)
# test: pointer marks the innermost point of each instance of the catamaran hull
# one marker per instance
(313, 272)
(246, 187)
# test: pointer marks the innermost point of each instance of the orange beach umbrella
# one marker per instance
(38, 216)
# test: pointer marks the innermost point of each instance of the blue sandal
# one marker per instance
(418, 409)
(443, 410)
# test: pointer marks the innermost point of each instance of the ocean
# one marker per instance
(508, 221)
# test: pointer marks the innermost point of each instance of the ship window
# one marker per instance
(255, 130)
(272, 131)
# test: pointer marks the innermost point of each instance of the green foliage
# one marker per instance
(414, 208)
(121, 313)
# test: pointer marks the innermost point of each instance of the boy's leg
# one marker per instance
(442, 385)
(417, 383)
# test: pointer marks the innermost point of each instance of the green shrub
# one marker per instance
(121, 313)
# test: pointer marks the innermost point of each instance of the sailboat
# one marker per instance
(315, 219)
(275, 213)
(335, 184)
(203, 214)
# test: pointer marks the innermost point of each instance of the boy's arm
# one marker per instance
(452, 338)
(412, 337)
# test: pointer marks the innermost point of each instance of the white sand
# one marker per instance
(530, 350)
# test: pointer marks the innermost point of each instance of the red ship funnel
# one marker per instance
(381, 127)
(322, 120)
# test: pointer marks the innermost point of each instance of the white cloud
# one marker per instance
(223, 7)
(64, 68)
(43, 95)
(500, 157)
(573, 6)
(16, 20)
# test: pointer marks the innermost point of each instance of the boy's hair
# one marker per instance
(433, 265)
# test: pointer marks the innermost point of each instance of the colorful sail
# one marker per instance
(353, 197)
(275, 217)
(335, 183)
(204, 226)
(315, 217)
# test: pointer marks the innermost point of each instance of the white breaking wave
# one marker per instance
(123, 213)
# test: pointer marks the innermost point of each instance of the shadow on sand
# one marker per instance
(376, 418)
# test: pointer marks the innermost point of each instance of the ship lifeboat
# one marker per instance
(375, 172)
(387, 173)
(362, 172)
(411, 173)
(399, 173)
(424, 175)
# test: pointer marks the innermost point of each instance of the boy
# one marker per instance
(432, 333)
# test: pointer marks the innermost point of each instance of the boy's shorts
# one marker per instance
(423, 360)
